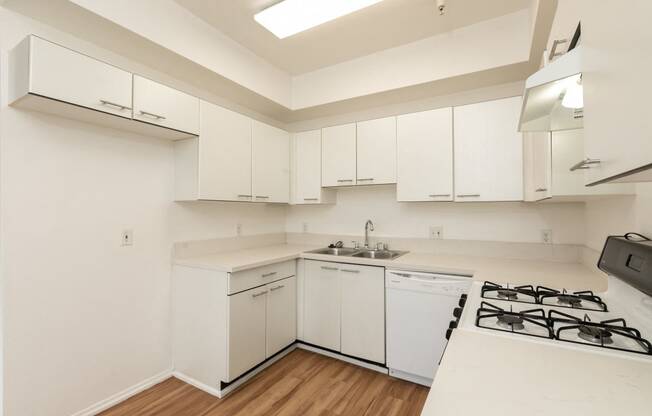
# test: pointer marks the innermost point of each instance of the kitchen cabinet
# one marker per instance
(339, 155)
(425, 156)
(363, 312)
(488, 155)
(306, 170)
(247, 330)
(270, 163)
(322, 299)
(344, 309)
(537, 166)
(376, 151)
(50, 78)
(616, 82)
(159, 104)
(281, 315)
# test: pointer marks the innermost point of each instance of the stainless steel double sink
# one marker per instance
(361, 253)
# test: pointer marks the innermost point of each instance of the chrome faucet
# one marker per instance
(369, 226)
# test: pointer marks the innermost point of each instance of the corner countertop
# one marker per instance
(484, 374)
(568, 275)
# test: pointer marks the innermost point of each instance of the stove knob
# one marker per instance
(449, 332)
(462, 302)
(457, 312)
(452, 325)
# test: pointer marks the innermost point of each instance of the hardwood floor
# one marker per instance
(302, 383)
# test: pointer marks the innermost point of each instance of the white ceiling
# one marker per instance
(385, 25)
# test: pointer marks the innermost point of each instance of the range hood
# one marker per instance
(544, 91)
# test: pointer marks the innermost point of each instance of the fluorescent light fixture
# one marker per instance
(290, 17)
(574, 96)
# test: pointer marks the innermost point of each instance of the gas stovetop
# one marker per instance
(578, 318)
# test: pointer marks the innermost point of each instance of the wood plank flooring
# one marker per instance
(302, 384)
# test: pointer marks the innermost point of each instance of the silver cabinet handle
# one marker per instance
(268, 274)
(553, 50)
(468, 195)
(365, 179)
(276, 288)
(350, 271)
(311, 199)
(244, 196)
(255, 295)
(439, 195)
(585, 164)
(112, 104)
(344, 180)
(541, 190)
(262, 196)
(329, 268)
(148, 114)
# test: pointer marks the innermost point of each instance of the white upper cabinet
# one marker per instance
(537, 166)
(425, 156)
(224, 154)
(376, 151)
(488, 151)
(270, 163)
(306, 172)
(158, 104)
(339, 155)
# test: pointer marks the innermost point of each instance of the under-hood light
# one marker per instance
(574, 96)
(293, 16)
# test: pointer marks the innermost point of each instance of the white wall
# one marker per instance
(512, 222)
(85, 318)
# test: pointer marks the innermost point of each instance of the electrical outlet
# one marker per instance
(238, 229)
(305, 227)
(546, 236)
(436, 232)
(128, 237)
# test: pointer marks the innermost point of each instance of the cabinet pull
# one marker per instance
(351, 271)
(439, 195)
(262, 196)
(585, 164)
(268, 274)
(112, 104)
(244, 196)
(344, 180)
(365, 179)
(311, 199)
(541, 190)
(468, 195)
(148, 114)
(329, 268)
(276, 288)
(255, 295)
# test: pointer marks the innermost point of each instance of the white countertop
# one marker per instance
(564, 275)
(490, 375)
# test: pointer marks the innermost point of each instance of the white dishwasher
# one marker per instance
(419, 309)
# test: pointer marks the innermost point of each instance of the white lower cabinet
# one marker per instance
(281, 315)
(344, 309)
(247, 331)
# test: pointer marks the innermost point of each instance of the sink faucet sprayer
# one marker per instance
(369, 226)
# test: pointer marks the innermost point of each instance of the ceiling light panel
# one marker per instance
(290, 17)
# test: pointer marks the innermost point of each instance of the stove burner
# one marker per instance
(510, 322)
(595, 335)
(507, 294)
(569, 300)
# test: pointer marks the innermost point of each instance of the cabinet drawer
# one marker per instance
(259, 276)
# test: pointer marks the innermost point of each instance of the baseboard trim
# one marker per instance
(124, 394)
(344, 358)
(201, 386)
(411, 377)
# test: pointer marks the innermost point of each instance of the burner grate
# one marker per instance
(513, 322)
(577, 300)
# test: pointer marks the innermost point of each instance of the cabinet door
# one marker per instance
(338, 155)
(246, 330)
(537, 166)
(159, 104)
(224, 154)
(270, 163)
(322, 304)
(281, 314)
(376, 151)
(363, 312)
(425, 156)
(65, 75)
(307, 172)
(488, 151)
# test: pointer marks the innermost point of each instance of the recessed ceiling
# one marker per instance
(384, 25)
